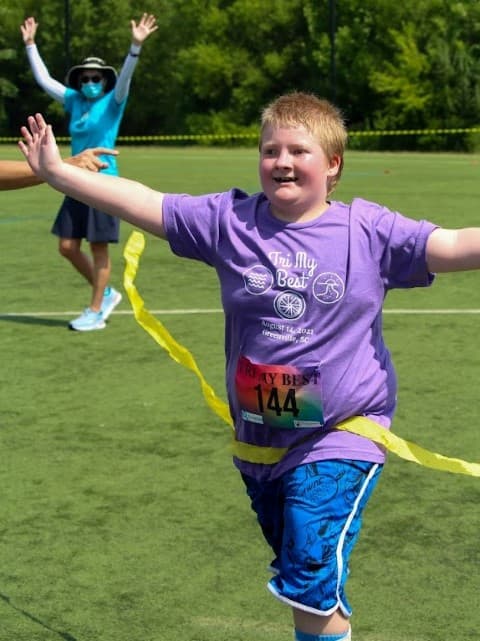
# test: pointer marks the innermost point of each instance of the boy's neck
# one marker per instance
(301, 217)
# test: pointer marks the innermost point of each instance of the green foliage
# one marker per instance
(432, 78)
(215, 63)
(403, 80)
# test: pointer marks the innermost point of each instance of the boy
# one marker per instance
(303, 280)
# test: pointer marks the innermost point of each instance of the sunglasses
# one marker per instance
(95, 78)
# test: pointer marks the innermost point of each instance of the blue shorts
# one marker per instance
(77, 220)
(311, 518)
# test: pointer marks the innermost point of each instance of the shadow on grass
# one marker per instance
(33, 320)
(63, 635)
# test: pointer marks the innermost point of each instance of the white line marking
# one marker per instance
(125, 312)
(431, 311)
(194, 310)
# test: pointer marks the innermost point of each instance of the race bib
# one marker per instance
(279, 396)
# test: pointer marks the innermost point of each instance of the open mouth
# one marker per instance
(285, 179)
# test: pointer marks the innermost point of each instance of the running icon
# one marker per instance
(328, 288)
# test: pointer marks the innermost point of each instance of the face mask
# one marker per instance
(92, 90)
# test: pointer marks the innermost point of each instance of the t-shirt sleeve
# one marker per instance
(192, 224)
(398, 243)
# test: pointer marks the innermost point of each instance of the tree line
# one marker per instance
(213, 64)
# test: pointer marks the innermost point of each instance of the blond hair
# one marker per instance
(320, 118)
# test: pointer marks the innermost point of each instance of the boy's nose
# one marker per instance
(284, 158)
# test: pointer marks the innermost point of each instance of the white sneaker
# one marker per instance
(88, 321)
(111, 298)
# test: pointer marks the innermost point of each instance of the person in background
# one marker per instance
(17, 174)
(303, 282)
(95, 100)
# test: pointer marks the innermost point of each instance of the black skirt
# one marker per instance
(77, 220)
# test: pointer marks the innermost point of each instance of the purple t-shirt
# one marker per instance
(303, 316)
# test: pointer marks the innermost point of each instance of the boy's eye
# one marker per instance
(272, 152)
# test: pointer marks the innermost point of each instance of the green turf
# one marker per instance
(122, 518)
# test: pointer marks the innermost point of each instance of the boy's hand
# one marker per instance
(39, 147)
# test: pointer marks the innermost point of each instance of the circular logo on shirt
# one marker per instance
(258, 279)
(289, 304)
(328, 288)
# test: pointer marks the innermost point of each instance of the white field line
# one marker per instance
(124, 312)
(194, 310)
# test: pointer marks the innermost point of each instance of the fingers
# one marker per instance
(28, 29)
(23, 148)
(100, 151)
(89, 159)
(32, 132)
(35, 125)
(30, 135)
(98, 164)
(39, 146)
(91, 162)
(147, 21)
(37, 129)
(49, 137)
(40, 121)
(27, 136)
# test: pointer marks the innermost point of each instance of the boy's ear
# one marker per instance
(335, 164)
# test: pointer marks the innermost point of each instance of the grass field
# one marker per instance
(122, 517)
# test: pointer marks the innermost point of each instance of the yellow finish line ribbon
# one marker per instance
(132, 252)
(359, 425)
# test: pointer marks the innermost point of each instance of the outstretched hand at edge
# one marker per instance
(39, 147)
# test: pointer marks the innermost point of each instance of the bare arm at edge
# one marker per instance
(17, 174)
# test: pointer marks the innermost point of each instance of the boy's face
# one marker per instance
(293, 171)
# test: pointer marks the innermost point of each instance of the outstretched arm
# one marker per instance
(54, 88)
(17, 174)
(140, 32)
(453, 250)
(126, 199)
